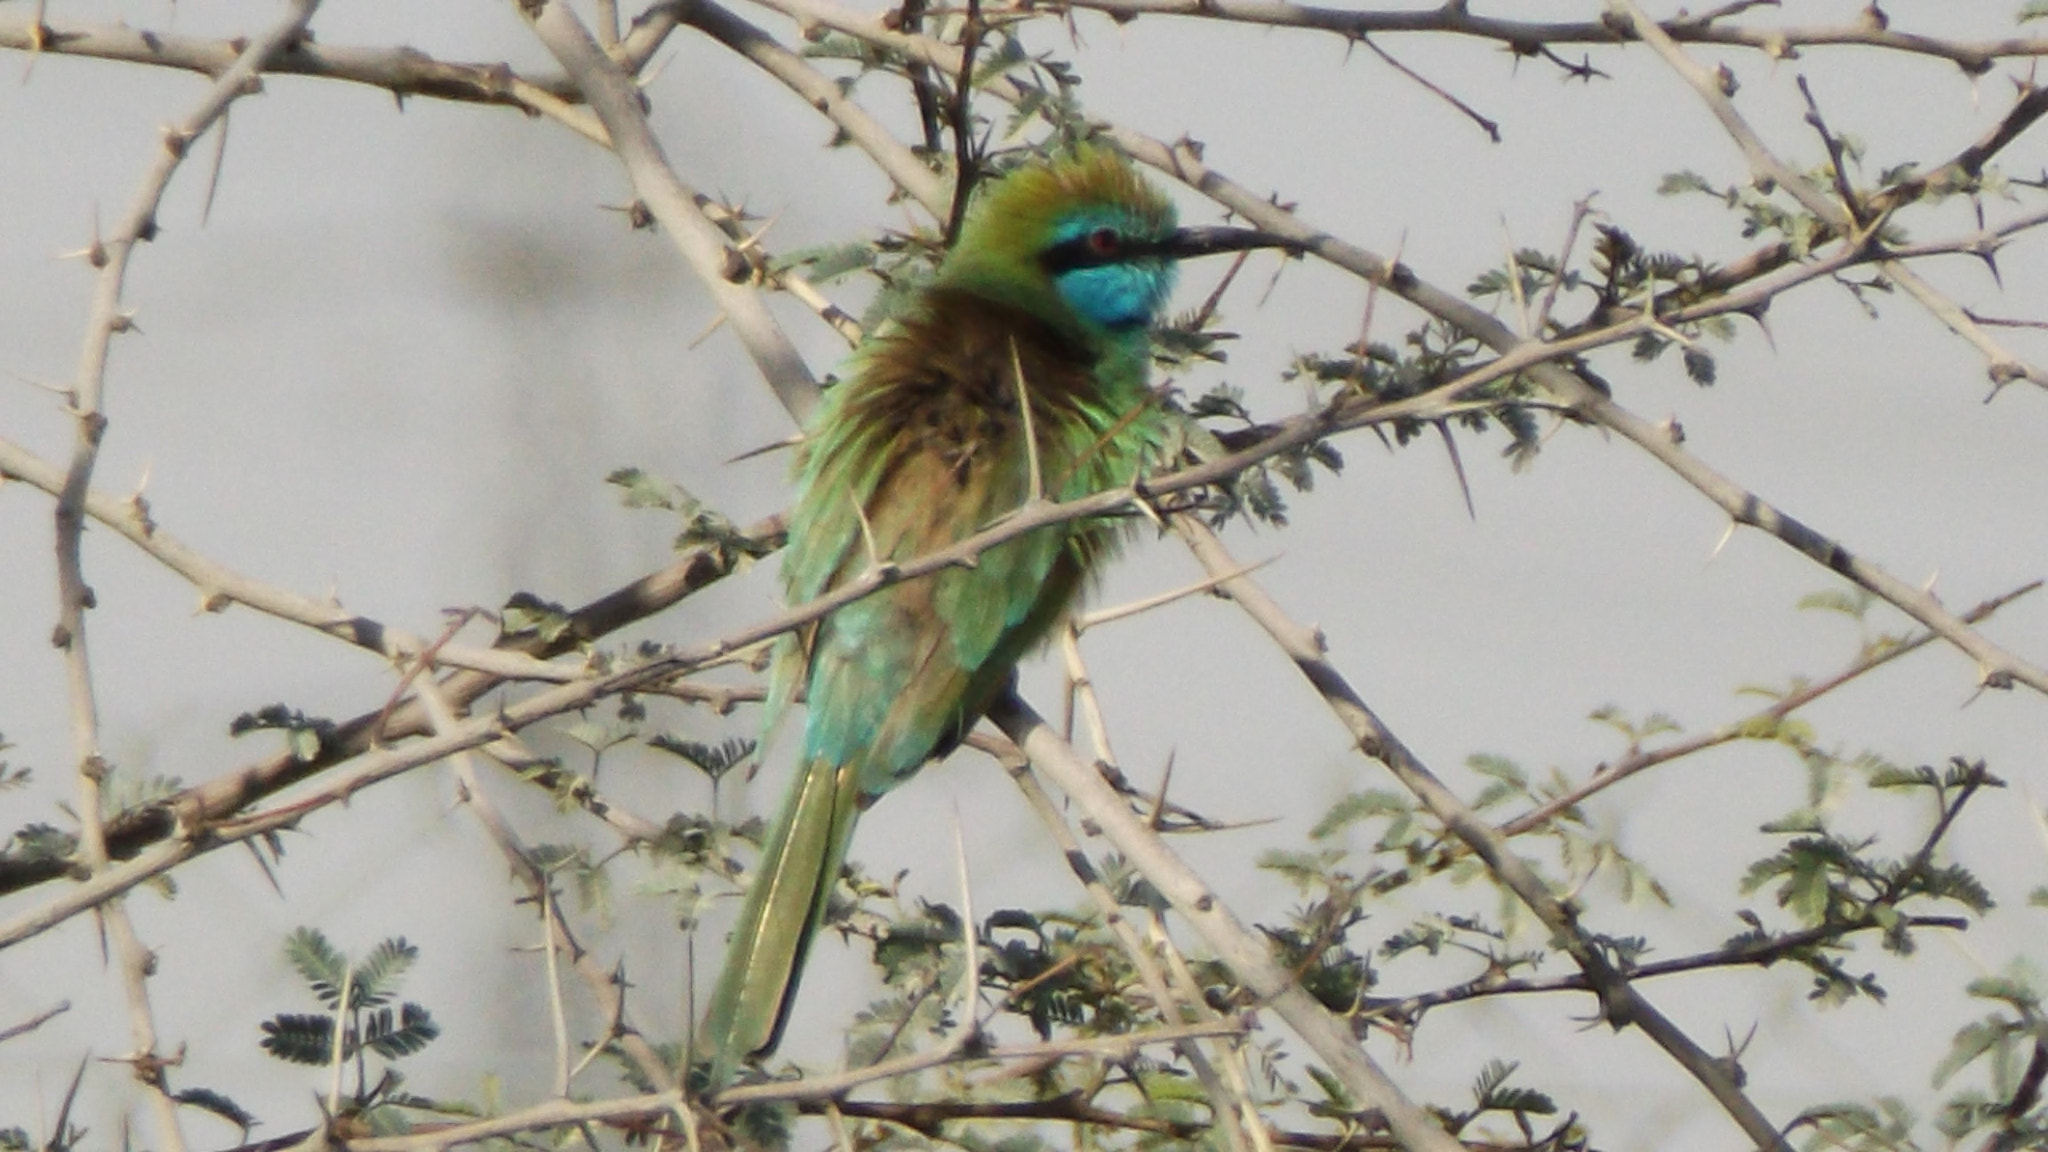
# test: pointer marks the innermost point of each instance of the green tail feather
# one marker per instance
(784, 908)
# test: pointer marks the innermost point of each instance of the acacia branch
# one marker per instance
(1620, 1003)
(221, 587)
(1150, 974)
(2000, 363)
(1112, 1048)
(1184, 163)
(403, 72)
(607, 987)
(1840, 215)
(824, 94)
(1764, 720)
(87, 400)
(34, 1022)
(929, 1117)
(626, 1109)
(221, 797)
(1529, 37)
(674, 204)
(1237, 946)
(1754, 953)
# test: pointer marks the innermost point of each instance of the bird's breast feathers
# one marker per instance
(921, 447)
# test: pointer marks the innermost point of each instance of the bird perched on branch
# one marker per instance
(1021, 371)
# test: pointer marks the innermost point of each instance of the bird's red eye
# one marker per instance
(1104, 241)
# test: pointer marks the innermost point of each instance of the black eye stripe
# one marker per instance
(1089, 250)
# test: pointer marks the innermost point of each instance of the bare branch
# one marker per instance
(75, 597)
(1763, 719)
(889, 154)
(603, 984)
(674, 204)
(1528, 37)
(1239, 947)
(1621, 1005)
(34, 1022)
(403, 72)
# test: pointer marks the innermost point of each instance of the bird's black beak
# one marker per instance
(1188, 242)
(1104, 246)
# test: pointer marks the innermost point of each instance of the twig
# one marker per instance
(603, 984)
(200, 805)
(558, 1017)
(1231, 1099)
(191, 835)
(928, 1117)
(1741, 729)
(1581, 209)
(337, 1048)
(615, 99)
(1246, 954)
(220, 587)
(403, 72)
(1842, 218)
(895, 160)
(564, 1113)
(960, 114)
(1145, 604)
(2001, 365)
(1526, 36)
(1166, 999)
(1621, 1005)
(75, 597)
(1111, 1047)
(34, 1022)
(548, 1114)
(1489, 126)
(1758, 953)
(970, 938)
(1762, 160)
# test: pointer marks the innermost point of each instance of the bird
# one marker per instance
(1020, 371)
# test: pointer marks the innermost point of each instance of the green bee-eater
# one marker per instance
(1046, 300)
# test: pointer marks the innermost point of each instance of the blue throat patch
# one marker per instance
(1118, 296)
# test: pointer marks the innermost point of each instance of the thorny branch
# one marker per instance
(1642, 759)
(1531, 37)
(88, 409)
(1998, 666)
(1621, 1005)
(406, 72)
(1843, 216)
(606, 986)
(1243, 950)
(703, 245)
(1150, 972)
